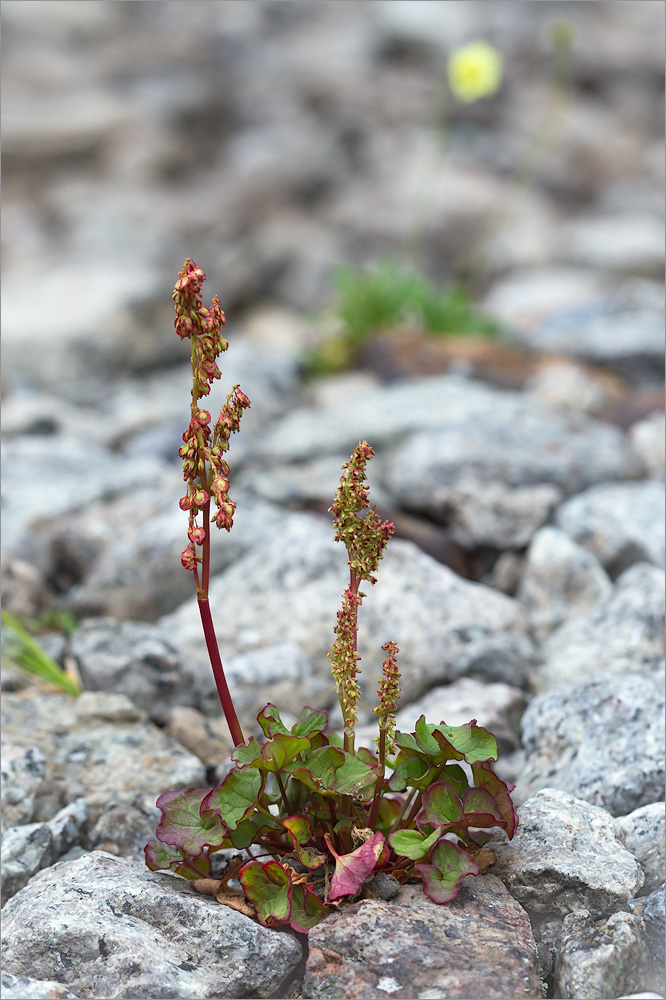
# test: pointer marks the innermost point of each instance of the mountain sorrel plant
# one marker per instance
(312, 816)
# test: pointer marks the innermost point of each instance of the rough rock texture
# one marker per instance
(106, 926)
(623, 633)
(652, 915)
(207, 738)
(566, 854)
(603, 959)
(102, 748)
(479, 945)
(25, 988)
(621, 523)
(23, 770)
(291, 589)
(643, 835)
(600, 740)
(560, 579)
(131, 657)
(28, 848)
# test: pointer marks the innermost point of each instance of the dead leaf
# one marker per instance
(484, 857)
(208, 886)
(236, 901)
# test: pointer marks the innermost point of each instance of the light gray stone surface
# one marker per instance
(28, 848)
(647, 437)
(23, 770)
(25, 988)
(566, 854)
(621, 523)
(623, 633)
(643, 835)
(560, 579)
(603, 959)
(106, 926)
(445, 627)
(601, 740)
(651, 913)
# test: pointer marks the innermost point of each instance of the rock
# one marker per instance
(382, 886)
(623, 633)
(100, 747)
(560, 579)
(25, 988)
(23, 770)
(207, 738)
(525, 299)
(28, 848)
(479, 945)
(106, 926)
(601, 740)
(650, 911)
(547, 928)
(620, 523)
(603, 959)
(647, 438)
(643, 835)
(621, 242)
(292, 589)
(566, 854)
(23, 588)
(565, 385)
(131, 658)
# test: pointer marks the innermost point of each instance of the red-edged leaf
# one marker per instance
(473, 742)
(269, 888)
(331, 771)
(479, 809)
(182, 825)
(414, 771)
(298, 828)
(274, 754)
(162, 858)
(270, 721)
(234, 798)
(352, 870)
(307, 910)
(484, 777)
(412, 844)
(450, 865)
(311, 721)
(441, 806)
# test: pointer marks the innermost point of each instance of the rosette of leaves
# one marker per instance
(282, 804)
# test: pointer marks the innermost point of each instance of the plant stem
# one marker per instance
(218, 671)
(283, 793)
(379, 784)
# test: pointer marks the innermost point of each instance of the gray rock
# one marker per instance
(643, 835)
(568, 386)
(566, 854)
(647, 437)
(651, 913)
(601, 740)
(547, 928)
(292, 589)
(207, 738)
(560, 579)
(28, 848)
(603, 959)
(131, 658)
(624, 242)
(620, 523)
(479, 945)
(23, 770)
(100, 747)
(624, 633)
(25, 988)
(106, 926)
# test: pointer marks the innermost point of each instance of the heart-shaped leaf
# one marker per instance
(275, 753)
(441, 806)
(162, 858)
(268, 886)
(331, 771)
(412, 771)
(298, 828)
(474, 742)
(234, 799)
(352, 870)
(307, 910)
(270, 721)
(182, 825)
(480, 808)
(311, 720)
(412, 844)
(450, 865)
(485, 777)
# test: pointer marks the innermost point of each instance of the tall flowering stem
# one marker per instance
(389, 693)
(204, 469)
(358, 525)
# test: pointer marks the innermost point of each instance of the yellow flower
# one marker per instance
(475, 71)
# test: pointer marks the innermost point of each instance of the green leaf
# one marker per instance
(298, 828)
(310, 721)
(480, 808)
(412, 844)
(182, 824)
(24, 652)
(270, 721)
(406, 741)
(485, 777)
(268, 886)
(247, 832)
(331, 771)
(273, 755)
(426, 741)
(307, 910)
(474, 742)
(235, 798)
(442, 878)
(335, 740)
(414, 771)
(162, 858)
(441, 806)
(456, 777)
(246, 754)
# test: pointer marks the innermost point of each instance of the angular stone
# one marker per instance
(603, 959)
(207, 738)
(25, 988)
(479, 945)
(620, 523)
(560, 579)
(25, 849)
(566, 854)
(23, 770)
(106, 926)
(292, 589)
(601, 740)
(623, 633)
(652, 915)
(643, 834)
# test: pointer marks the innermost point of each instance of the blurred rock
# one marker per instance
(620, 242)
(602, 959)
(601, 740)
(23, 770)
(622, 633)
(207, 738)
(24, 591)
(650, 911)
(79, 912)
(25, 988)
(647, 437)
(621, 523)
(566, 854)
(560, 579)
(480, 944)
(567, 386)
(643, 835)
